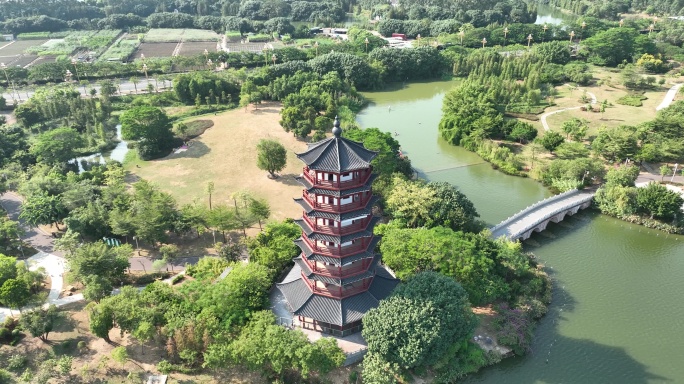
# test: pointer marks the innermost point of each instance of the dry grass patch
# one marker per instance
(226, 155)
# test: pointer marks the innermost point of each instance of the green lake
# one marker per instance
(616, 310)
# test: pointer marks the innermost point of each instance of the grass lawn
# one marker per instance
(615, 115)
(226, 155)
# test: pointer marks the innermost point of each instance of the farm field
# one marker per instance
(121, 50)
(168, 35)
(18, 47)
(155, 49)
(92, 43)
(197, 47)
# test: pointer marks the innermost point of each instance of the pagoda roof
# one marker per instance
(313, 212)
(338, 261)
(319, 235)
(336, 280)
(337, 154)
(336, 192)
(339, 312)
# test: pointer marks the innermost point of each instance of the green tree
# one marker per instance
(551, 140)
(98, 259)
(97, 288)
(101, 319)
(403, 330)
(151, 126)
(411, 202)
(271, 156)
(452, 209)
(659, 202)
(624, 175)
(523, 132)
(40, 322)
(615, 45)
(120, 355)
(145, 331)
(616, 144)
(664, 171)
(260, 209)
(169, 253)
(15, 293)
(57, 146)
(41, 209)
(10, 234)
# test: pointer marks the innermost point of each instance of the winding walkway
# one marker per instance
(545, 124)
(669, 97)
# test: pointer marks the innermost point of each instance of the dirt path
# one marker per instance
(545, 124)
(669, 97)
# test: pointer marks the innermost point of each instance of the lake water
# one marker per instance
(552, 16)
(617, 312)
(118, 153)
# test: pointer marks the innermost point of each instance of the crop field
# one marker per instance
(121, 50)
(93, 42)
(155, 49)
(197, 48)
(18, 47)
(169, 35)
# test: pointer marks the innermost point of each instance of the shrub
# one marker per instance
(632, 100)
(4, 333)
(177, 279)
(260, 38)
(16, 362)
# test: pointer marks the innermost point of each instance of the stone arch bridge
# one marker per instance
(536, 217)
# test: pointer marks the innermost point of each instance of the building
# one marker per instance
(337, 277)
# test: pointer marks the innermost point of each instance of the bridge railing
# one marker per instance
(533, 206)
(552, 214)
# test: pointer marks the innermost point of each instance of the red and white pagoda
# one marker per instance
(337, 277)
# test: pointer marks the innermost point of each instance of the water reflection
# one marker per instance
(118, 154)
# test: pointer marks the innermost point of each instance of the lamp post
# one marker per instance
(572, 36)
(529, 40)
(484, 41)
(650, 29)
(586, 173)
(4, 69)
(622, 21)
(142, 57)
(206, 54)
(266, 54)
(316, 46)
(505, 31)
(144, 68)
(74, 62)
(366, 42)
(67, 76)
(209, 63)
(655, 20)
(273, 58)
(582, 32)
(544, 28)
(674, 173)
(461, 34)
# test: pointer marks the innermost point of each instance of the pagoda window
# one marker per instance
(356, 197)
(347, 243)
(346, 177)
(346, 200)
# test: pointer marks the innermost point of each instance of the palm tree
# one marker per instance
(135, 81)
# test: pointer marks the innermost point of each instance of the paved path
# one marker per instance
(669, 97)
(545, 124)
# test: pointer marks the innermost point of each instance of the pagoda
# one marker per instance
(337, 277)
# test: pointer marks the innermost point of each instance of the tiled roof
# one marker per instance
(333, 311)
(335, 280)
(308, 252)
(337, 154)
(312, 212)
(336, 192)
(309, 231)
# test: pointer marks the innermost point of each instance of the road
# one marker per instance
(124, 87)
(669, 97)
(545, 124)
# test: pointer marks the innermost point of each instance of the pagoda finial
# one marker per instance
(337, 131)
